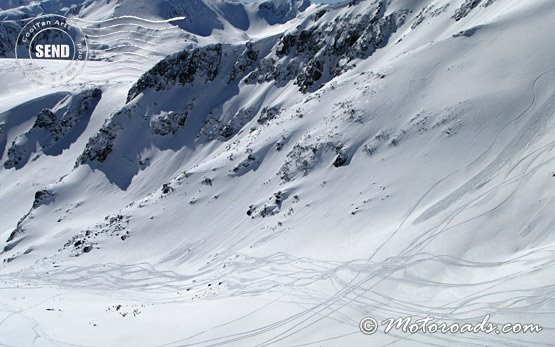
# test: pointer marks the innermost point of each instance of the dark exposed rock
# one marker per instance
(100, 146)
(430, 11)
(310, 75)
(488, 3)
(313, 55)
(216, 129)
(45, 119)
(168, 122)
(51, 128)
(166, 188)
(250, 163)
(319, 14)
(245, 62)
(309, 56)
(304, 157)
(270, 207)
(340, 160)
(267, 114)
(181, 68)
(206, 182)
(278, 198)
(43, 197)
(465, 9)
(227, 131)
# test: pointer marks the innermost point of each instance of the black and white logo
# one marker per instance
(51, 50)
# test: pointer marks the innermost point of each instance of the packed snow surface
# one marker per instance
(269, 173)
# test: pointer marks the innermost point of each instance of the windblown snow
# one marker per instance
(269, 173)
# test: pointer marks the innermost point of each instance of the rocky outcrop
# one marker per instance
(101, 145)
(270, 207)
(167, 123)
(267, 114)
(180, 69)
(465, 9)
(246, 60)
(52, 127)
(430, 11)
(42, 197)
(313, 54)
(310, 55)
(304, 157)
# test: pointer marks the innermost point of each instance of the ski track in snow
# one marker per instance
(290, 299)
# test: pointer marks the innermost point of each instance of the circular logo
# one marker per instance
(368, 325)
(51, 50)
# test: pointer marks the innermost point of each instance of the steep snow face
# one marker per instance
(203, 17)
(373, 158)
(281, 11)
(54, 129)
(309, 57)
(192, 21)
(324, 47)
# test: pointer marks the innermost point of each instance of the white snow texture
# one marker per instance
(268, 173)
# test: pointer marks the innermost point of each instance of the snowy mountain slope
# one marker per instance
(196, 17)
(374, 159)
(134, 35)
